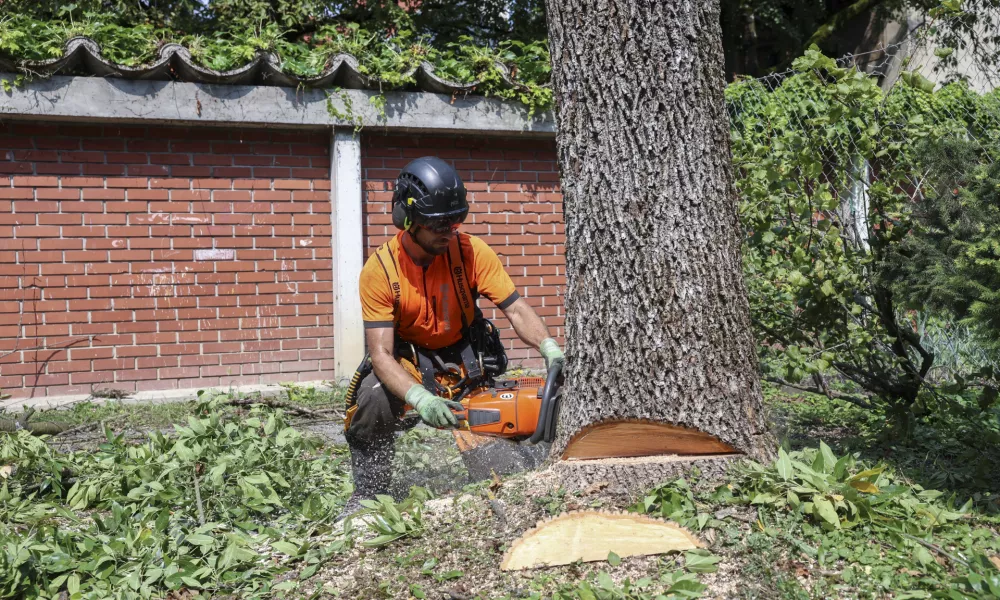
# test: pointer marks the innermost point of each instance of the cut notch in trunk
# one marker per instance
(639, 438)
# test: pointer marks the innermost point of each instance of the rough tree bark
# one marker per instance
(658, 321)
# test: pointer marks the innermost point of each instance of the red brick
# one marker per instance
(106, 170)
(45, 380)
(83, 157)
(156, 362)
(198, 360)
(86, 256)
(57, 194)
(149, 145)
(92, 378)
(50, 219)
(187, 146)
(103, 194)
(29, 231)
(170, 159)
(83, 207)
(174, 183)
(113, 364)
(36, 155)
(106, 145)
(128, 158)
(73, 366)
(179, 372)
(90, 353)
(150, 170)
(43, 143)
(135, 374)
(16, 168)
(128, 182)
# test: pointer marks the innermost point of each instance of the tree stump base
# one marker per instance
(631, 476)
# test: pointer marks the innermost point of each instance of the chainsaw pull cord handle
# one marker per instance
(547, 412)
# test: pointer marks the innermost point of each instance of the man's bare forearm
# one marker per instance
(393, 376)
(526, 323)
(387, 369)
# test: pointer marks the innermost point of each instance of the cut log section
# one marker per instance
(590, 536)
(636, 438)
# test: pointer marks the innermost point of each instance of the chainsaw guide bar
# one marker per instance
(635, 438)
(591, 535)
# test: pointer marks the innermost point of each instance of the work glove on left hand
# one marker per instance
(551, 352)
(434, 410)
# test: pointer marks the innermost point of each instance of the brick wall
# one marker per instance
(144, 258)
(515, 206)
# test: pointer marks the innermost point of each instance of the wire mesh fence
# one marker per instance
(829, 157)
(911, 74)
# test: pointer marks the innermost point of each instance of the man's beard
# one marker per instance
(429, 248)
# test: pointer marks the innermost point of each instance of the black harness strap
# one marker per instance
(467, 304)
(383, 253)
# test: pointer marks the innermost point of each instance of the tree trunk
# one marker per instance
(658, 324)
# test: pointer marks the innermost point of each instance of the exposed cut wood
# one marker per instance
(636, 438)
(466, 440)
(590, 535)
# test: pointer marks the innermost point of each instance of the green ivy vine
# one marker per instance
(389, 57)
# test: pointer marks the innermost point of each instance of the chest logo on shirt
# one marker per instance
(461, 286)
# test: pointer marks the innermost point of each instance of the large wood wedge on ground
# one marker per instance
(591, 535)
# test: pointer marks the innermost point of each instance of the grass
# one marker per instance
(846, 512)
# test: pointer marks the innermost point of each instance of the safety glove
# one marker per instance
(551, 352)
(434, 410)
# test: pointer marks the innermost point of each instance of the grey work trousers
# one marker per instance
(378, 415)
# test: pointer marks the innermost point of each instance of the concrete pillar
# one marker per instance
(348, 252)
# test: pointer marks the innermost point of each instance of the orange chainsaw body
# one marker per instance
(509, 410)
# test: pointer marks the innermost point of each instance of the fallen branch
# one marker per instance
(87, 426)
(197, 497)
(937, 549)
(292, 408)
(857, 400)
(14, 425)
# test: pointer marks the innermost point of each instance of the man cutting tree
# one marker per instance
(418, 297)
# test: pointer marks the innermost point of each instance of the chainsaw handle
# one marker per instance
(457, 409)
(460, 412)
(545, 430)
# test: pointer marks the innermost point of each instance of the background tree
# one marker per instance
(657, 316)
(758, 36)
(950, 263)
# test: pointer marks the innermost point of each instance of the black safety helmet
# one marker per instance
(429, 193)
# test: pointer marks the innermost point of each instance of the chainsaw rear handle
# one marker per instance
(548, 414)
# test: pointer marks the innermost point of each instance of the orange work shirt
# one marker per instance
(430, 314)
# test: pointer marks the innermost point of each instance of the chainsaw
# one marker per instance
(521, 410)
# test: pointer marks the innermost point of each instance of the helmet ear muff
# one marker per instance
(400, 216)
(401, 202)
